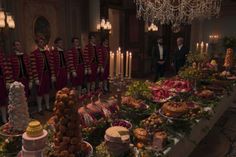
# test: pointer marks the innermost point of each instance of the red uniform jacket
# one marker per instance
(37, 63)
(15, 67)
(55, 59)
(73, 59)
(60, 68)
(76, 64)
(91, 55)
(103, 56)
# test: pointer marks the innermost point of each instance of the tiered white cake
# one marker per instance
(18, 107)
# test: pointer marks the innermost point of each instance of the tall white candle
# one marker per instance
(117, 68)
(130, 64)
(127, 64)
(202, 46)
(197, 46)
(112, 65)
(207, 47)
(122, 65)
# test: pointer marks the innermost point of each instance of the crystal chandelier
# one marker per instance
(176, 12)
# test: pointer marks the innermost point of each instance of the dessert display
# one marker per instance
(162, 95)
(228, 63)
(67, 139)
(141, 135)
(123, 123)
(133, 103)
(17, 110)
(34, 140)
(176, 85)
(206, 94)
(174, 109)
(152, 122)
(159, 140)
(117, 140)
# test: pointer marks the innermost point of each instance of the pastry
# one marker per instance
(141, 134)
(174, 109)
(68, 138)
(159, 139)
(228, 58)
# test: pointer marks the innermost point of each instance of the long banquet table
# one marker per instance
(184, 146)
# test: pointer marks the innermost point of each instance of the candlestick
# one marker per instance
(202, 46)
(110, 67)
(197, 46)
(207, 47)
(112, 64)
(130, 64)
(122, 65)
(127, 64)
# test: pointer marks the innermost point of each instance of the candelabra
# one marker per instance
(119, 83)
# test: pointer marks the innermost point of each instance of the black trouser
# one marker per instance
(160, 70)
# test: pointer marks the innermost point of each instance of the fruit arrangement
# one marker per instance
(161, 95)
(177, 85)
(190, 73)
(153, 122)
(139, 90)
(123, 123)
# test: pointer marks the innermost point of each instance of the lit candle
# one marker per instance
(122, 65)
(197, 46)
(127, 64)
(130, 64)
(206, 47)
(202, 46)
(112, 65)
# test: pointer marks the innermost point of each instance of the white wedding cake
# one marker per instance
(18, 107)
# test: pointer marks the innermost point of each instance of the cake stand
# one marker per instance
(4, 134)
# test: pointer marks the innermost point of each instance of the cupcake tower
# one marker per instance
(67, 139)
(18, 108)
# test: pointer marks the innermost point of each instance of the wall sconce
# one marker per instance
(6, 20)
(213, 38)
(104, 25)
(152, 28)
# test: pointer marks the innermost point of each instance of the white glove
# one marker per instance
(8, 85)
(30, 85)
(102, 70)
(98, 70)
(37, 82)
(86, 71)
(89, 71)
(53, 79)
(74, 74)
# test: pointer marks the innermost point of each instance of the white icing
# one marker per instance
(18, 107)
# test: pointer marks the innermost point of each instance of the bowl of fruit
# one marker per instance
(123, 123)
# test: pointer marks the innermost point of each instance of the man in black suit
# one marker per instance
(180, 54)
(159, 55)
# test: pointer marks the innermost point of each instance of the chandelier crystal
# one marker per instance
(176, 12)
